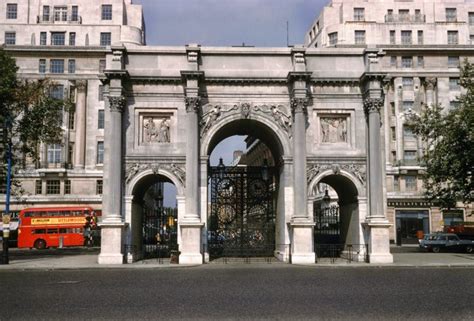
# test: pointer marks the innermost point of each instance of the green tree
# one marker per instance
(449, 139)
(29, 114)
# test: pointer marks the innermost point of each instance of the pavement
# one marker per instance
(86, 258)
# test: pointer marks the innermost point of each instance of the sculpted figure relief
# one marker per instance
(154, 134)
(333, 130)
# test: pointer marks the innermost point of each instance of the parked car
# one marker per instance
(446, 242)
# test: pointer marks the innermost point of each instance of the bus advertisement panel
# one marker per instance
(55, 227)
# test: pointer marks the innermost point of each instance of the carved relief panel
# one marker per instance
(155, 128)
(333, 128)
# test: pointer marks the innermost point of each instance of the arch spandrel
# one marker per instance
(276, 121)
(135, 179)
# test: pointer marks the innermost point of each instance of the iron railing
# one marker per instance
(219, 253)
(333, 253)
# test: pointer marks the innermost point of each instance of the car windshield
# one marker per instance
(430, 237)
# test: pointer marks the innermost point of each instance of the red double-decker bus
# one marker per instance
(53, 226)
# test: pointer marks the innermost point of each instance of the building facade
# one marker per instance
(330, 112)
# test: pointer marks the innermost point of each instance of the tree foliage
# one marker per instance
(28, 112)
(449, 139)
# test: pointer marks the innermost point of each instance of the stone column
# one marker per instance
(112, 224)
(302, 247)
(81, 122)
(430, 84)
(377, 223)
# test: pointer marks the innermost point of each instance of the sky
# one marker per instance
(259, 23)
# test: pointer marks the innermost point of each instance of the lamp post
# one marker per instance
(6, 215)
(221, 168)
(326, 200)
(265, 175)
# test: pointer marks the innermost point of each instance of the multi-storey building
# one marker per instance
(66, 42)
(424, 44)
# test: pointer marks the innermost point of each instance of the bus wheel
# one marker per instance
(40, 244)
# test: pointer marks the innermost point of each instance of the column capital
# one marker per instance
(81, 85)
(116, 103)
(299, 105)
(193, 104)
(373, 105)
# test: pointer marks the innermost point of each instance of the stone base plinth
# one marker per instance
(191, 245)
(302, 251)
(111, 243)
(379, 241)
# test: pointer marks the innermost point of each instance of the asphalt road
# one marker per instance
(240, 292)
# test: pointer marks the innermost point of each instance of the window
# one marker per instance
(72, 38)
(105, 38)
(393, 131)
(60, 13)
(70, 155)
(74, 13)
(10, 38)
(101, 93)
(360, 37)
(394, 156)
(46, 13)
(420, 37)
(393, 61)
(471, 18)
(454, 84)
(57, 92)
(407, 62)
(421, 62)
(54, 153)
(451, 15)
(404, 14)
(42, 66)
(389, 17)
(56, 66)
(67, 187)
(71, 66)
(406, 37)
(392, 37)
(99, 187)
(100, 152)
(408, 133)
(71, 118)
(452, 37)
(396, 183)
(43, 38)
(38, 187)
(392, 108)
(58, 38)
(454, 104)
(407, 83)
(451, 218)
(453, 61)
(410, 183)
(407, 105)
(106, 12)
(333, 39)
(418, 15)
(471, 38)
(101, 119)
(359, 14)
(12, 10)
(53, 187)
(102, 65)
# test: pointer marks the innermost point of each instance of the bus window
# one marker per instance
(53, 231)
(63, 230)
(39, 231)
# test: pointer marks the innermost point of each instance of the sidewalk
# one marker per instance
(58, 259)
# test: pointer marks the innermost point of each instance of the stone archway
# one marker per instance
(275, 137)
(142, 220)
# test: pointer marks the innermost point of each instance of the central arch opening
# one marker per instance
(243, 188)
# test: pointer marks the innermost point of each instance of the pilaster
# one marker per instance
(81, 117)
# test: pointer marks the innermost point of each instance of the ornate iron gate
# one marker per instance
(327, 229)
(160, 228)
(242, 214)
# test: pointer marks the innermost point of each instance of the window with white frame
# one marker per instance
(74, 13)
(10, 38)
(38, 187)
(404, 14)
(46, 13)
(453, 61)
(451, 15)
(407, 83)
(53, 186)
(392, 37)
(101, 119)
(56, 66)
(12, 11)
(71, 68)
(407, 105)
(67, 186)
(406, 37)
(408, 133)
(54, 153)
(393, 61)
(102, 65)
(42, 66)
(420, 37)
(410, 183)
(421, 61)
(453, 38)
(100, 152)
(58, 38)
(43, 38)
(106, 12)
(454, 104)
(409, 155)
(72, 38)
(471, 18)
(332, 38)
(359, 37)
(407, 62)
(60, 13)
(57, 92)
(99, 187)
(101, 93)
(105, 38)
(454, 84)
(359, 14)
